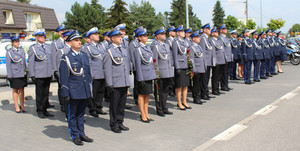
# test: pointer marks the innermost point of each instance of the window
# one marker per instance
(28, 21)
(8, 16)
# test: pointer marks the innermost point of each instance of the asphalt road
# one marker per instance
(196, 129)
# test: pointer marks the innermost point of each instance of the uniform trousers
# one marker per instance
(256, 64)
(42, 86)
(232, 68)
(225, 76)
(216, 77)
(163, 92)
(247, 70)
(98, 94)
(206, 81)
(76, 117)
(117, 106)
(198, 86)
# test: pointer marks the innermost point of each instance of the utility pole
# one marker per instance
(246, 11)
(187, 14)
(261, 15)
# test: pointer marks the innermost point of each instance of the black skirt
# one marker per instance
(181, 78)
(17, 83)
(146, 89)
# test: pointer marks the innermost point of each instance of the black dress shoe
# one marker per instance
(224, 89)
(94, 114)
(150, 119)
(128, 107)
(221, 92)
(263, 78)
(47, 114)
(229, 88)
(215, 93)
(187, 107)
(77, 141)
(211, 97)
(50, 106)
(123, 128)
(86, 139)
(274, 73)
(168, 112)
(100, 111)
(18, 111)
(198, 102)
(269, 75)
(183, 109)
(160, 114)
(116, 130)
(249, 83)
(41, 115)
(205, 98)
(146, 121)
(257, 80)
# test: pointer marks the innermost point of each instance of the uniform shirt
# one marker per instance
(161, 52)
(197, 56)
(227, 47)
(15, 62)
(170, 41)
(189, 41)
(247, 49)
(218, 49)
(258, 53)
(61, 52)
(75, 78)
(209, 55)
(235, 49)
(39, 61)
(132, 45)
(144, 63)
(95, 54)
(55, 47)
(105, 43)
(266, 48)
(271, 45)
(179, 49)
(116, 68)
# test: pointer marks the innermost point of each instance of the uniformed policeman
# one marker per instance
(283, 54)
(200, 32)
(95, 52)
(277, 53)
(188, 33)
(86, 39)
(218, 69)
(209, 57)
(248, 55)
(161, 53)
(55, 46)
(265, 63)
(271, 67)
(132, 45)
(228, 57)
(106, 40)
(258, 56)
(169, 41)
(76, 86)
(16, 74)
(117, 80)
(235, 51)
(197, 57)
(40, 71)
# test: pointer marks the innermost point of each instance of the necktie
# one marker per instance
(43, 47)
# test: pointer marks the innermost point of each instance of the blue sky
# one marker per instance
(285, 9)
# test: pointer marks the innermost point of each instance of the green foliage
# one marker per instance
(178, 15)
(55, 36)
(259, 29)
(231, 22)
(218, 14)
(118, 14)
(250, 24)
(24, 1)
(276, 24)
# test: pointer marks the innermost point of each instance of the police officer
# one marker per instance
(200, 32)
(16, 74)
(248, 55)
(106, 40)
(161, 53)
(188, 33)
(241, 61)
(277, 53)
(209, 58)
(271, 67)
(87, 40)
(265, 63)
(235, 51)
(117, 80)
(197, 57)
(258, 56)
(132, 46)
(169, 41)
(217, 70)
(283, 54)
(228, 57)
(40, 71)
(76, 85)
(95, 53)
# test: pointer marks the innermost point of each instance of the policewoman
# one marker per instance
(95, 52)
(271, 42)
(161, 53)
(40, 71)
(16, 74)
(182, 79)
(145, 73)
(283, 51)
(116, 70)
(248, 55)
(76, 86)
(198, 68)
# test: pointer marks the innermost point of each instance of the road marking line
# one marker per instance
(240, 126)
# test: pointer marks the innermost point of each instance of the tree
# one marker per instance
(177, 16)
(295, 28)
(118, 14)
(250, 24)
(144, 15)
(232, 22)
(218, 14)
(276, 24)
(241, 27)
(24, 1)
(101, 17)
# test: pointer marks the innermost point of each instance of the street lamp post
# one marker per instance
(187, 14)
